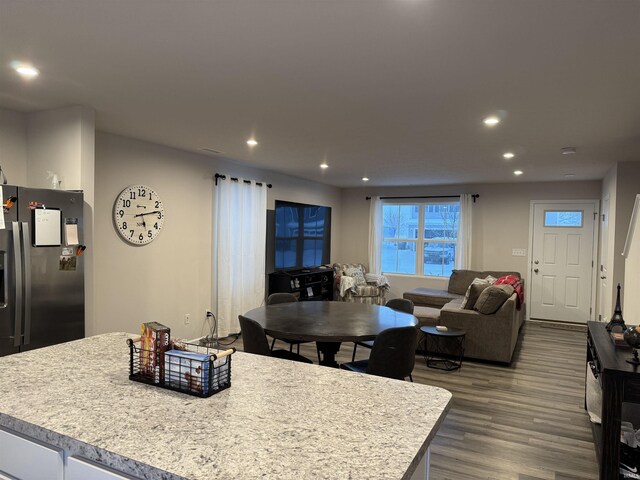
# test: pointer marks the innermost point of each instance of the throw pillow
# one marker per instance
(492, 298)
(490, 279)
(357, 275)
(474, 290)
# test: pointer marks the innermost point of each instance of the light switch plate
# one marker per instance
(519, 252)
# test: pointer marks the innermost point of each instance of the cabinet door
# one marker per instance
(79, 468)
(27, 458)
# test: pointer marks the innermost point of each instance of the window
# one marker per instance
(564, 218)
(404, 250)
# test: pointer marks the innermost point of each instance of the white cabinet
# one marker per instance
(29, 459)
(79, 468)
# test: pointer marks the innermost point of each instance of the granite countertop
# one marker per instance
(279, 419)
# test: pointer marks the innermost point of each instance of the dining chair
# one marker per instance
(393, 354)
(276, 298)
(398, 304)
(255, 341)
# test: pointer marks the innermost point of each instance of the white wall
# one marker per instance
(500, 223)
(171, 276)
(55, 145)
(631, 305)
(627, 187)
(13, 146)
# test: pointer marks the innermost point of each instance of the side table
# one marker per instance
(443, 350)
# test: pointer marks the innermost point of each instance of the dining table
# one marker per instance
(328, 323)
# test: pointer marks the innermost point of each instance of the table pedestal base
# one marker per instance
(329, 350)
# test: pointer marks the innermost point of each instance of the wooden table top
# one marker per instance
(328, 321)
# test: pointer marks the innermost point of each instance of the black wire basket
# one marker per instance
(196, 370)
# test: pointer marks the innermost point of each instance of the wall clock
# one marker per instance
(138, 214)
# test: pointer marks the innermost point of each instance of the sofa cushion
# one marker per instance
(461, 279)
(473, 292)
(430, 297)
(427, 316)
(357, 275)
(492, 298)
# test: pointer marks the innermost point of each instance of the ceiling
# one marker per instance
(394, 90)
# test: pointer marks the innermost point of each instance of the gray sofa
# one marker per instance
(488, 337)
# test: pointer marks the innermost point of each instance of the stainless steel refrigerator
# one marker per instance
(41, 268)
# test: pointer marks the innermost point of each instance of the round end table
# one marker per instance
(443, 350)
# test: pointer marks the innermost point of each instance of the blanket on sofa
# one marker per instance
(349, 283)
(516, 283)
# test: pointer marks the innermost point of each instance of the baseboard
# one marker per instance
(559, 325)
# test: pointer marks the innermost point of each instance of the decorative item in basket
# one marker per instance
(155, 340)
(187, 368)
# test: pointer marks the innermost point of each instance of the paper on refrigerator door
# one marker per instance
(71, 233)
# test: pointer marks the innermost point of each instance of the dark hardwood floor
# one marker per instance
(525, 421)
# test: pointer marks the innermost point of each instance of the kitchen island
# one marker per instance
(279, 419)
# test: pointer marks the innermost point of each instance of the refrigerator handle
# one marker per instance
(17, 262)
(26, 253)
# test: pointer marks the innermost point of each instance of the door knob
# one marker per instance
(535, 270)
(536, 262)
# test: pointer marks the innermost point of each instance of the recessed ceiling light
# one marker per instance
(568, 150)
(26, 71)
(491, 121)
(365, 179)
(518, 172)
(252, 142)
(324, 165)
(508, 155)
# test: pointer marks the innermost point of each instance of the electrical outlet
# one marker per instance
(187, 318)
(519, 252)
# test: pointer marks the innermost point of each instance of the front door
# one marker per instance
(562, 261)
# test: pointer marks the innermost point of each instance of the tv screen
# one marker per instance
(302, 235)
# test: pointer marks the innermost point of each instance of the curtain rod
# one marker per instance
(234, 179)
(475, 196)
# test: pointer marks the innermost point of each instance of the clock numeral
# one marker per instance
(132, 195)
(130, 233)
(155, 225)
(140, 237)
(159, 215)
(149, 234)
(124, 225)
(126, 203)
(157, 204)
(142, 192)
(121, 213)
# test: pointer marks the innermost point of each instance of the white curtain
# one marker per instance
(240, 228)
(375, 236)
(464, 243)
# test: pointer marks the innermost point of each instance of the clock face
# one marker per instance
(138, 214)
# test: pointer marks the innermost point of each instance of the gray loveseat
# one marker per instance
(488, 337)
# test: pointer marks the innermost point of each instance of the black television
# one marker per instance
(302, 235)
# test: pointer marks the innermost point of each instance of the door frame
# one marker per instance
(594, 253)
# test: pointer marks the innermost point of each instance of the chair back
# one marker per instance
(394, 353)
(276, 298)
(401, 305)
(253, 337)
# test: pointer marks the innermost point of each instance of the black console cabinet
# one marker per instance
(306, 284)
(620, 382)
